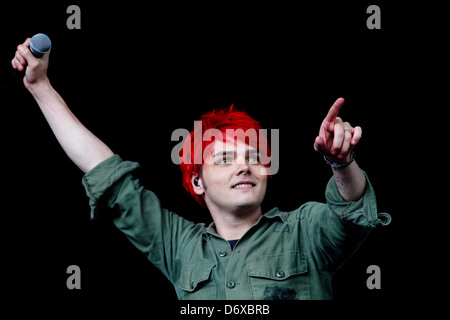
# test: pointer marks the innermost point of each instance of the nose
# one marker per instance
(243, 169)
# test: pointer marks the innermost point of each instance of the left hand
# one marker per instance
(337, 138)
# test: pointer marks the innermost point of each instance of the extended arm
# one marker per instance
(81, 145)
(335, 141)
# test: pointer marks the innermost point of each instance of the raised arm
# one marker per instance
(335, 141)
(82, 147)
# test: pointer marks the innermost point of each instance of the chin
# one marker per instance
(247, 205)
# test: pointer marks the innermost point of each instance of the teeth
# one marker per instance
(243, 185)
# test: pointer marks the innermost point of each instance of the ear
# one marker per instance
(197, 185)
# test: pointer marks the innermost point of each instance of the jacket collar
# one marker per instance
(274, 213)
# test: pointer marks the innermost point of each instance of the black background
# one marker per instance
(135, 72)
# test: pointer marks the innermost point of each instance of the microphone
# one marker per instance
(40, 44)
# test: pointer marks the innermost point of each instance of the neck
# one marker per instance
(233, 225)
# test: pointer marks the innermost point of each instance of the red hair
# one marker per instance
(221, 120)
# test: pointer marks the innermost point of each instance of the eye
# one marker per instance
(253, 159)
(224, 160)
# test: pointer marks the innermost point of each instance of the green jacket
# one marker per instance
(285, 255)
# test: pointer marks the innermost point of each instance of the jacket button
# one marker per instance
(231, 284)
(280, 274)
(222, 254)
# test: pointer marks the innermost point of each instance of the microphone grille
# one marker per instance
(40, 43)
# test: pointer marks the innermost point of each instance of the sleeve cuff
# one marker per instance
(362, 212)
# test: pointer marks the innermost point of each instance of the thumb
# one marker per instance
(319, 144)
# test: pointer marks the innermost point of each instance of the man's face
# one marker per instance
(232, 177)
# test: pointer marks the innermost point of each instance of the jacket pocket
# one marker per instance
(279, 277)
(196, 282)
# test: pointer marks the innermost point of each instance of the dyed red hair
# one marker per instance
(221, 120)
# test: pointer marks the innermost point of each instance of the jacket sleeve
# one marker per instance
(159, 233)
(336, 229)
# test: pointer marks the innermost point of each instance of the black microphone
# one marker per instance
(40, 44)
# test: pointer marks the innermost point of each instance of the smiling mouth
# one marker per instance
(243, 185)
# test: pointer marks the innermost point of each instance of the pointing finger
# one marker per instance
(334, 110)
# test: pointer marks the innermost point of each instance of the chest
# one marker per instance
(269, 262)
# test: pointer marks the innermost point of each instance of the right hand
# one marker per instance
(337, 138)
(36, 71)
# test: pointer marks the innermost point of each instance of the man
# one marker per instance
(243, 254)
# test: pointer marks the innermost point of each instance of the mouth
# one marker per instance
(244, 185)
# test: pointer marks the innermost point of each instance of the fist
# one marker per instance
(35, 69)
